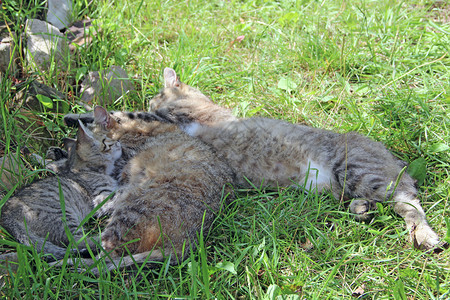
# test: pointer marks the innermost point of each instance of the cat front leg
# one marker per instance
(362, 208)
(422, 235)
(56, 159)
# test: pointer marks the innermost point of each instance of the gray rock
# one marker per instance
(105, 87)
(8, 262)
(11, 171)
(59, 13)
(45, 44)
(7, 54)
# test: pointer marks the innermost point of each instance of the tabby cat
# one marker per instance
(34, 214)
(171, 188)
(275, 153)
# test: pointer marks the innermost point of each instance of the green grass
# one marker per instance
(381, 68)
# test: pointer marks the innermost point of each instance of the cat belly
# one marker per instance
(315, 177)
(191, 128)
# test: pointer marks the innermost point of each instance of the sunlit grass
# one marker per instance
(381, 68)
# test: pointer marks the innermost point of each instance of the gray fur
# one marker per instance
(171, 189)
(275, 153)
(34, 216)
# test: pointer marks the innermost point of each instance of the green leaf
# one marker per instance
(80, 73)
(286, 84)
(418, 170)
(438, 147)
(227, 266)
(46, 101)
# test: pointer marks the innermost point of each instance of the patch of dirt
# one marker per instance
(440, 11)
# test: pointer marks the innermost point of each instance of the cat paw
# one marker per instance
(362, 208)
(55, 153)
(424, 238)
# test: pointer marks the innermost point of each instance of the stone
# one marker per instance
(27, 98)
(11, 170)
(9, 262)
(59, 13)
(45, 43)
(105, 87)
(81, 33)
(8, 54)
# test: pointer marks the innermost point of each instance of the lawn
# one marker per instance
(381, 68)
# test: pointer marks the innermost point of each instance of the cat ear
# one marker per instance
(84, 135)
(170, 78)
(103, 118)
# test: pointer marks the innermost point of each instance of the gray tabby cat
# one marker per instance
(171, 188)
(276, 153)
(34, 215)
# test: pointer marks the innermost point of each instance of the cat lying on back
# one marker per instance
(276, 153)
(171, 188)
(33, 216)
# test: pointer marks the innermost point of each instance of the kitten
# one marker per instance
(172, 187)
(275, 153)
(34, 215)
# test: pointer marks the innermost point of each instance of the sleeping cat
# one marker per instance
(276, 153)
(33, 216)
(172, 186)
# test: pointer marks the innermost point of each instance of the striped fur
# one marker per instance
(34, 214)
(276, 153)
(172, 186)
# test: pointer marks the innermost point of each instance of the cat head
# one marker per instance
(182, 104)
(92, 151)
(131, 129)
(177, 100)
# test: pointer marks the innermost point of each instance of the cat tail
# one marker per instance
(135, 261)
(28, 238)
(71, 120)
